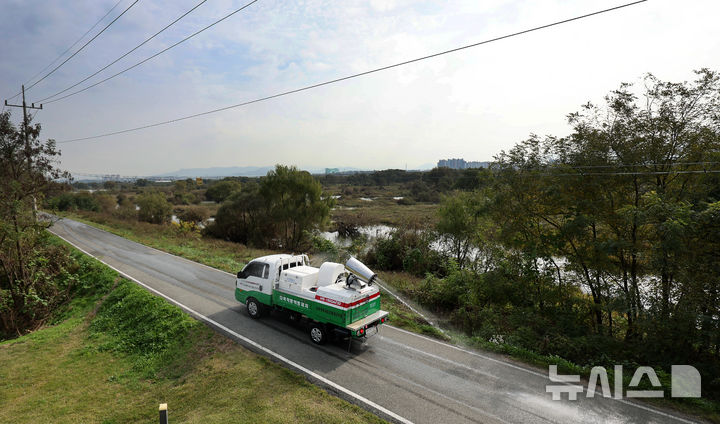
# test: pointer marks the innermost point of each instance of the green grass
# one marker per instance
(115, 356)
(383, 211)
(402, 317)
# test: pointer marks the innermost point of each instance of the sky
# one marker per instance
(470, 104)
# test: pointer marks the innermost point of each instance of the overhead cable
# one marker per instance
(149, 58)
(600, 174)
(124, 55)
(75, 43)
(637, 165)
(83, 46)
(372, 71)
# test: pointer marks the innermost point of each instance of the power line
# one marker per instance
(309, 87)
(600, 174)
(592, 174)
(151, 57)
(34, 115)
(636, 165)
(84, 45)
(125, 55)
(75, 43)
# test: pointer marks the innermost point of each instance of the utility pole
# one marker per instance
(26, 123)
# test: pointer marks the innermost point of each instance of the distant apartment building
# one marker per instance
(460, 164)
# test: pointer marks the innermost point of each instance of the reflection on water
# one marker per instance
(371, 232)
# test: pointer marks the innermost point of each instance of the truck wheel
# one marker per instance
(254, 308)
(318, 334)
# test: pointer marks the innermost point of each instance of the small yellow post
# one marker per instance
(163, 413)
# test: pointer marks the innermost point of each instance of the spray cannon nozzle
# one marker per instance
(361, 270)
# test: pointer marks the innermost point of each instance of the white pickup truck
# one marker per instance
(337, 299)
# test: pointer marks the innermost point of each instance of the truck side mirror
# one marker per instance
(241, 275)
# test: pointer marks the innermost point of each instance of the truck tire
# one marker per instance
(318, 333)
(254, 308)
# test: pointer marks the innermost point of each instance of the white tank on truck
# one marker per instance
(336, 299)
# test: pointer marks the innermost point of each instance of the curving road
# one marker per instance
(399, 375)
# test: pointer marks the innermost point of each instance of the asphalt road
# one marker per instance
(415, 378)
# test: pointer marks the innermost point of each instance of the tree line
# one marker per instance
(602, 247)
(36, 275)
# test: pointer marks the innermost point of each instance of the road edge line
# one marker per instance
(308, 373)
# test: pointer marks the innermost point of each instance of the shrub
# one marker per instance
(106, 202)
(280, 212)
(126, 213)
(154, 208)
(320, 244)
(221, 190)
(447, 293)
(406, 249)
(74, 202)
(194, 214)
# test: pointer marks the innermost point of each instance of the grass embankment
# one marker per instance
(114, 355)
(400, 315)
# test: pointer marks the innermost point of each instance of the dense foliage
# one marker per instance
(154, 208)
(221, 190)
(74, 202)
(602, 247)
(34, 276)
(279, 211)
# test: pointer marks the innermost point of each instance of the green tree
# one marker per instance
(655, 143)
(614, 199)
(180, 186)
(154, 208)
(221, 190)
(243, 218)
(460, 224)
(106, 202)
(295, 204)
(29, 267)
(194, 214)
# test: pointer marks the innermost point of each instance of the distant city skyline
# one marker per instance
(461, 164)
